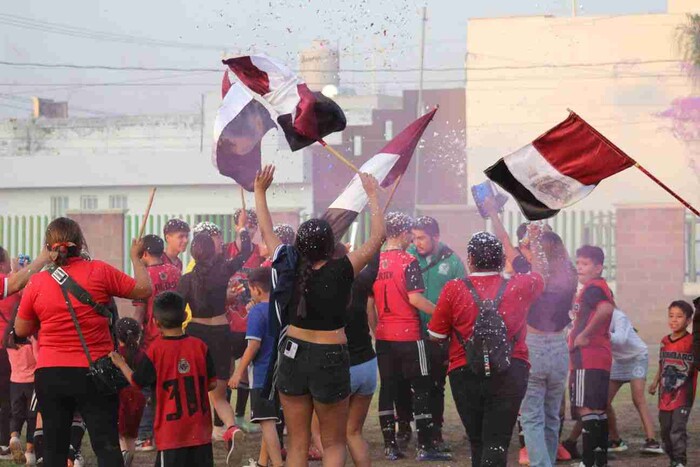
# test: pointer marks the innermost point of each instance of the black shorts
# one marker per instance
(407, 360)
(321, 370)
(219, 341)
(589, 389)
(239, 344)
(262, 408)
(194, 456)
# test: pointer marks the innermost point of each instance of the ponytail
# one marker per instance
(304, 271)
(129, 333)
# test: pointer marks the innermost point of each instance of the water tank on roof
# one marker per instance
(319, 65)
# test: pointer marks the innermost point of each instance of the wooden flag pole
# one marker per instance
(339, 156)
(391, 195)
(148, 211)
(242, 198)
(668, 190)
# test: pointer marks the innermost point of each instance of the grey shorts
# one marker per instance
(624, 371)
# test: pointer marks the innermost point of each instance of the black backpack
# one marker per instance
(489, 348)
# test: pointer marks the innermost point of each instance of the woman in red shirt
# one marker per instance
(62, 382)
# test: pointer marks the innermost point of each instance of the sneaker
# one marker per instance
(217, 433)
(563, 454)
(617, 445)
(442, 446)
(5, 453)
(523, 458)
(79, 460)
(31, 458)
(128, 458)
(571, 448)
(432, 454)
(145, 445)
(17, 451)
(232, 437)
(392, 453)
(314, 454)
(651, 446)
(250, 428)
(251, 463)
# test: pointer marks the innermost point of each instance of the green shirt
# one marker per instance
(438, 275)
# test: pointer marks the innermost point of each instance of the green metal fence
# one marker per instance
(22, 234)
(692, 248)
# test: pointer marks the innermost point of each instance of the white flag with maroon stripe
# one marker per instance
(559, 168)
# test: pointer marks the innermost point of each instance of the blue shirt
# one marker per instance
(259, 330)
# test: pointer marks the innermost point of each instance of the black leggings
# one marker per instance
(5, 410)
(61, 391)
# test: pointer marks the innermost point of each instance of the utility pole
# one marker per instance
(419, 106)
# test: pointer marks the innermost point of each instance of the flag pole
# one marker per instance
(393, 190)
(339, 156)
(668, 190)
(242, 198)
(148, 211)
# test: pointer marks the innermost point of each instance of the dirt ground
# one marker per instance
(629, 425)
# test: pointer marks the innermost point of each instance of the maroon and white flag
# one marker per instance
(559, 168)
(305, 116)
(386, 166)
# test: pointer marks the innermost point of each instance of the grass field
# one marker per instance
(629, 426)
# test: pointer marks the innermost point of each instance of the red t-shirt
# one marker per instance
(43, 301)
(181, 369)
(164, 277)
(3, 286)
(177, 262)
(456, 309)
(237, 312)
(678, 373)
(399, 275)
(7, 308)
(597, 355)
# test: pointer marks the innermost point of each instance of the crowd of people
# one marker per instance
(306, 329)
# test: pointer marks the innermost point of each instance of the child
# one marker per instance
(182, 371)
(676, 380)
(261, 344)
(131, 400)
(590, 355)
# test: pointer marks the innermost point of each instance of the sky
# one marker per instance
(194, 34)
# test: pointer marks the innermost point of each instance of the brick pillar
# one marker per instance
(650, 257)
(457, 224)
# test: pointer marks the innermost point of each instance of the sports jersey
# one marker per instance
(398, 276)
(456, 309)
(597, 355)
(437, 269)
(42, 300)
(164, 277)
(678, 373)
(237, 313)
(259, 330)
(177, 262)
(181, 369)
(7, 309)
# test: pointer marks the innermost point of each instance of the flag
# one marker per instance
(304, 116)
(559, 168)
(386, 166)
(240, 124)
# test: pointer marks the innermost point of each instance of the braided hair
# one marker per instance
(129, 333)
(315, 242)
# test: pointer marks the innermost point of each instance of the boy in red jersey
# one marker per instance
(401, 351)
(590, 355)
(182, 371)
(676, 380)
(177, 235)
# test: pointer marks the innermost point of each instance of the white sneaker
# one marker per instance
(17, 450)
(79, 460)
(31, 458)
(251, 463)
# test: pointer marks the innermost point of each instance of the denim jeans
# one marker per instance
(146, 425)
(539, 412)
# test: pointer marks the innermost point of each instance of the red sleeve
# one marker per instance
(3, 286)
(26, 305)
(440, 325)
(117, 283)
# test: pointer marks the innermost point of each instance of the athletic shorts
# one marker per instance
(238, 343)
(407, 360)
(589, 389)
(219, 341)
(193, 456)
(363, 378)
(262, 408)
(322, 370)
(626, 370)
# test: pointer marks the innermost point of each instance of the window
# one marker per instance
(357, 146)
(117, 202)
(388, 130)
(88, 202)
(59, 206)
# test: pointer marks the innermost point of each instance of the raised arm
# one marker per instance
(360, 257)
(500, 230)
(143, 287)
(18, 279)
(236, 263)
(263, 180)
(539, 259)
